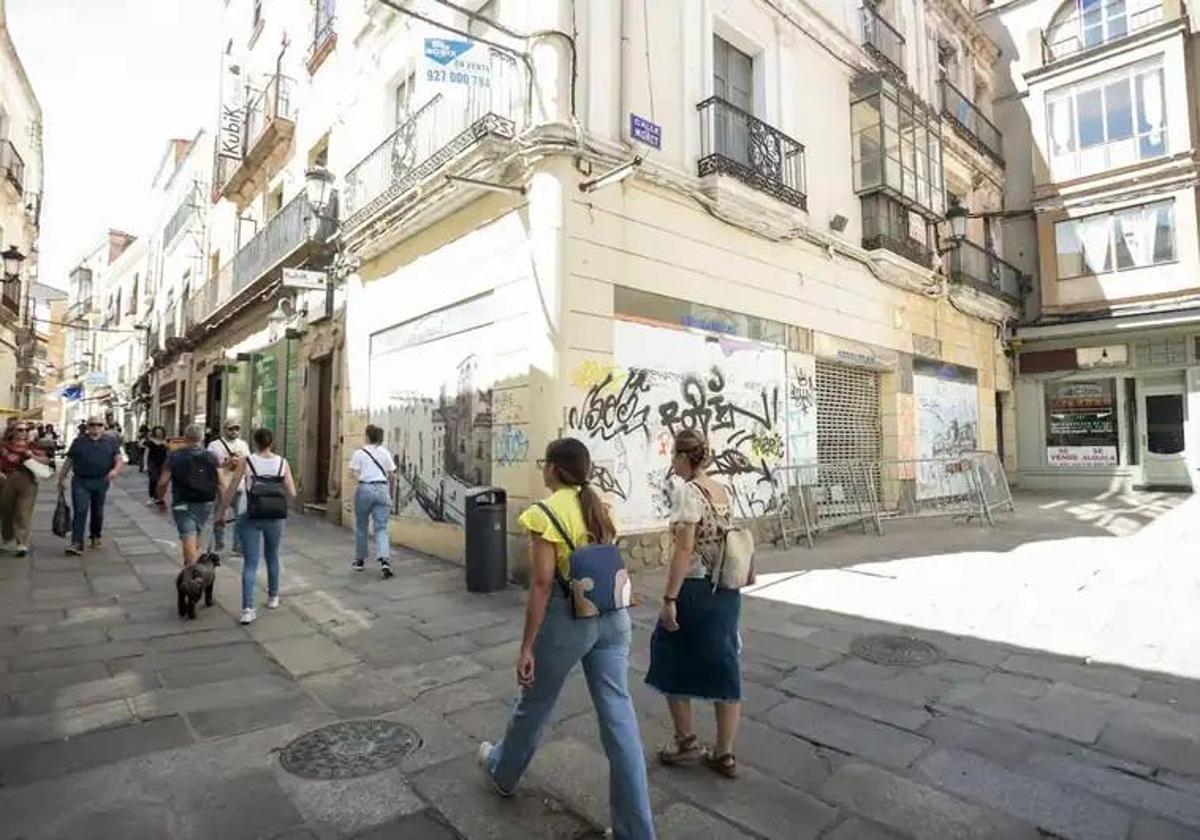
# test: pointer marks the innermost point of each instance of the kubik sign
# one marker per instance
(456, 64)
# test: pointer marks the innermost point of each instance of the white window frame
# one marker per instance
(1074, 161)
(1111, 245)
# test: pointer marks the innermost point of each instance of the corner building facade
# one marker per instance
(522, 277)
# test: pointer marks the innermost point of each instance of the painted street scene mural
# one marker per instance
(431, 392)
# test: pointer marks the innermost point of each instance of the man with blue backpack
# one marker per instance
(192, 474)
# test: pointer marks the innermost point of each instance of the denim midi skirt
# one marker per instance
(700, 659)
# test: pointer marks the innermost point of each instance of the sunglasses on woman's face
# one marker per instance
(541, 463)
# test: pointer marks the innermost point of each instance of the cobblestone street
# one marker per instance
(117, 720)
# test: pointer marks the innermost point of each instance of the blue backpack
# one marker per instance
(599, 583)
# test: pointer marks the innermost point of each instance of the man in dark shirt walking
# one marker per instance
(95, 460)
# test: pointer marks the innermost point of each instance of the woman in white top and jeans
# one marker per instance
(260, 536)
(375, 470)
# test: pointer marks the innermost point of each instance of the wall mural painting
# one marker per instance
(431, 392)
(947, 419)
(664, 380)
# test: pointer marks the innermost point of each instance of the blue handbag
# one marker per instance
(599, 583)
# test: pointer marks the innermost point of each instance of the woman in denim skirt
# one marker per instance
(695, 647)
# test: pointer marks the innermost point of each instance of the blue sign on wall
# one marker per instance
(646, 131)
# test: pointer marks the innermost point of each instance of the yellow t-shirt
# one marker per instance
(566, 507)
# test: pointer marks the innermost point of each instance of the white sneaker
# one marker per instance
(248, 615)
(484, 755)
(8, 546)
(273, 602)
(20, 550)
(151, 502)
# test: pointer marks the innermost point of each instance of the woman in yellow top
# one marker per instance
(555, 641)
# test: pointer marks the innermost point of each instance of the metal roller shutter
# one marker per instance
(848, 424)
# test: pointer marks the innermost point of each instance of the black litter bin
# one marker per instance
(487, 543)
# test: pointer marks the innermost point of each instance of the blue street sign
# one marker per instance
(646, 131)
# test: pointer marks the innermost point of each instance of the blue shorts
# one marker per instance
(190, 517)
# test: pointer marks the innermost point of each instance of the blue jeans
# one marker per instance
(257, 535)
(602, 645)
(87, 493)
(373, 503)
(219, 527)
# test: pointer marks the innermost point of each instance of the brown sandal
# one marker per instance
(686, 749)
(725, 764)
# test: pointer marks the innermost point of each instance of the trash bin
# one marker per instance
(487, 539)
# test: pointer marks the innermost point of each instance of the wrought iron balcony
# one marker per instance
(267, 127)
(965, 116)
(290, 236)
(440, 131)
(10, 297)
(324, 34)
(882, 41)
(972, 265)
(183, 213)
(12, 165)
(1075, 33)
(736, 143)
(207, 299)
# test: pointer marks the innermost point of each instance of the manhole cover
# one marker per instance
(349, 749)
(884, 649)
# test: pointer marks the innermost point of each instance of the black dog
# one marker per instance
(194, 580)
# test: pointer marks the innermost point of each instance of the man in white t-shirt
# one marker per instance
(375, 469)
(229, 449)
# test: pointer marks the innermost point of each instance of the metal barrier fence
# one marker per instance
(816, 497)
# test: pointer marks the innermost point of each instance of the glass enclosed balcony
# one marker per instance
(897, 145)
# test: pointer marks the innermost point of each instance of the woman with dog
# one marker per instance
(18, 487)
(556, 639)
(695, 646)
(266, 481)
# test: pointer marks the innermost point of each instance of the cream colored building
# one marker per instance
(89, 291)
(120, 344)
(713, 215)
(21, 180)
(1103, 96)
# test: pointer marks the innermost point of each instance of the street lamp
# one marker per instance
(12, 264)
(318, 183)
(957, 215)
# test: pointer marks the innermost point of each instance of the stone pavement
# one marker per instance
(117, 720)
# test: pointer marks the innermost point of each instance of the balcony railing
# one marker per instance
(908, 248)
(736, 143)
(966, 116)
(189, 205)
(207, 298)
(276, 101)
(10, 297)
(324, 35)
(442, 129)
(1077, 33)
(882, 41)
(288, 232)
(972, 265)
(12, 165)
(269, 122)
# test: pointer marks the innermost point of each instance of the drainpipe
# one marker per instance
(625, 13)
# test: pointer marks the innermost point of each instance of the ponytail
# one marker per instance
(595, 516)
(572, 464)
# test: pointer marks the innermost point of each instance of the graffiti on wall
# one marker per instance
(431, 392)
(666, 380)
